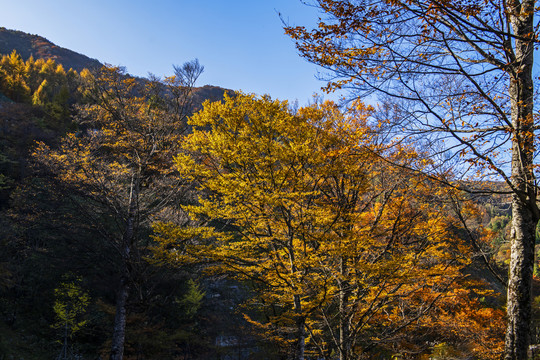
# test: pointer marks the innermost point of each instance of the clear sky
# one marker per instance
(241, 43)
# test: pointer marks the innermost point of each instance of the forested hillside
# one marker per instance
(35, 46)
(57, 269)
(154, 219)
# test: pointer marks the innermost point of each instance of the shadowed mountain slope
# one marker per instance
(33, 45)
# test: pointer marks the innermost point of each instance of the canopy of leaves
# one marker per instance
(347, 250)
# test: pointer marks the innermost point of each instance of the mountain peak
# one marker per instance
(34, 45)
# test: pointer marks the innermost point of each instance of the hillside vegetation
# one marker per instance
(152, 219)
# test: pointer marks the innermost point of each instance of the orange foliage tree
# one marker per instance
(460, 75)
(350, 254)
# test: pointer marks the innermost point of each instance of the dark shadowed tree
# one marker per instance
(119, 166)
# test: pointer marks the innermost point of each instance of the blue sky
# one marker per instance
(241, 43)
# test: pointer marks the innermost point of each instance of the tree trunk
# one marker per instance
(520, 283)
(301, 329)
(524, 208)
(119, 333)
(344, 343)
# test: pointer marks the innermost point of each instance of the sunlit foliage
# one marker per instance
(350, 253)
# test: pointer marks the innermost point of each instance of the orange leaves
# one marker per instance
(479, 328)
(304, 205)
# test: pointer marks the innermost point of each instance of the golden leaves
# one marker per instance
(303, 205)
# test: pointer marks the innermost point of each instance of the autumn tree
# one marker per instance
(69, 307)
(12, 77)
(458, 71)
(118, 168)
(34, 81)
(42, 83)
(349, 253)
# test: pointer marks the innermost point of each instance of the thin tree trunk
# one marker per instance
(301, 329)
(119, 333)
(524, 208)
(344, 347)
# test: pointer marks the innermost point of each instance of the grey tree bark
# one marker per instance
(524, 209)
(119, 332)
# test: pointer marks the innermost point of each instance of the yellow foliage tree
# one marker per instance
(13, 77)
(70, 306)
(348, 251)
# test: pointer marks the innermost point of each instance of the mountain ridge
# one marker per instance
(28, 45)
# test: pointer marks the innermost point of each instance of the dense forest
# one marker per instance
(249, 230)
(146, 218)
